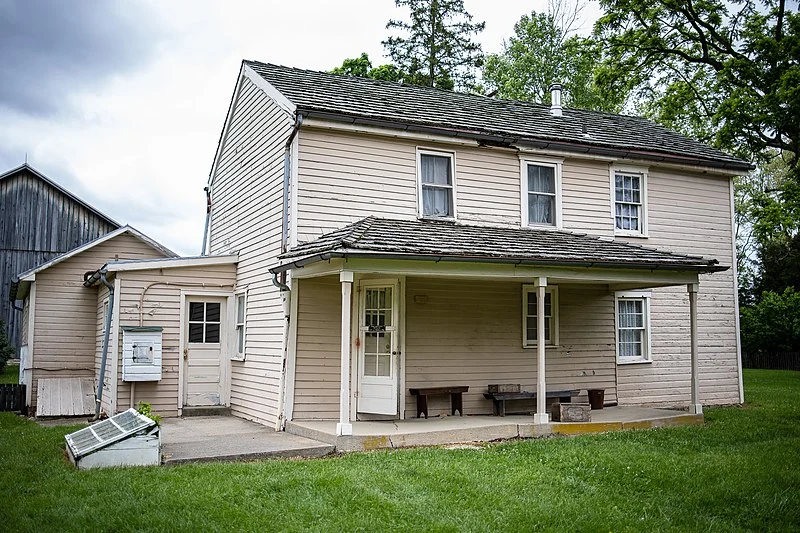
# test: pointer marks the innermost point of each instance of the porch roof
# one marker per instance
(374, 237)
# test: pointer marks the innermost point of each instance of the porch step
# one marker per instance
(210, 410)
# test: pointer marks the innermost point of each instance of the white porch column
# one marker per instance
(344, 427)
(695, 407)
(541, 416)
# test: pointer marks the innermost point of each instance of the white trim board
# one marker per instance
(176, 262)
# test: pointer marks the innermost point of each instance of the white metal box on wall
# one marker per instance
(141, 353)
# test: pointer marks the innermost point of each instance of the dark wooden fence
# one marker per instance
(12, 398)
(772, 361)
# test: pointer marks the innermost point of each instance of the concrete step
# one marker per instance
(210, 410)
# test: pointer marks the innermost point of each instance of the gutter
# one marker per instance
(509, 140)
(287, 173)
(326, 256)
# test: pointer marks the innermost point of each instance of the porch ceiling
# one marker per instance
(428, 247)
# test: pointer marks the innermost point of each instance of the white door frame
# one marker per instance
(398, 304)
(226, 340)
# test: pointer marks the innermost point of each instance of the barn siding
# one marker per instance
(248, 205)
(65, 321)
(37, 223)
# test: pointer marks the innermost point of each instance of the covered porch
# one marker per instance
(382, 307)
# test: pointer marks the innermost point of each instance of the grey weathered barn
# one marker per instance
(39, 220)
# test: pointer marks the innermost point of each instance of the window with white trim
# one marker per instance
(436, 184)
(541, 200)
(240, 321)
(633, 327)
(630, 193)
(530, 324)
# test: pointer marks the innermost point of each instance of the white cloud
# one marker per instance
(140, 144)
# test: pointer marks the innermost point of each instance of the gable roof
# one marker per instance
(411, 107)
(30, 275)
(436, 240)
(26, 167)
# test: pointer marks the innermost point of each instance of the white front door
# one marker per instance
(377, 348)
(203, 351)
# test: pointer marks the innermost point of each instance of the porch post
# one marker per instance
(541, 395)
(695, 407)
(344, 427)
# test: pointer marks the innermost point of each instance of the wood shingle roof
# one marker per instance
(390, 104)
(436, 240)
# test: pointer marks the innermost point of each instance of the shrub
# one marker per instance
(6, 350)
(146, 409)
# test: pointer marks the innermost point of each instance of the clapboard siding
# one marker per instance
(37, 223)
(346, 177)
(466, 333)
(248, 203)
(162, 299)
(65, 336)
(470, 333)
(688, 214)
(319, 338)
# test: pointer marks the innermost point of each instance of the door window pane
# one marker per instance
(195, 332)
(204, 322)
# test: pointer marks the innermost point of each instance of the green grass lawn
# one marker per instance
(740, 471)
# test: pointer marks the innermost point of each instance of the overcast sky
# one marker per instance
(122, 102)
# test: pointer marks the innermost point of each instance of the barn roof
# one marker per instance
(25, 167)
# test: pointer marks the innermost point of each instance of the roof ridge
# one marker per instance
(363, 225)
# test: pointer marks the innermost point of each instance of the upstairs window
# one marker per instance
(541, 201)
(436, 182)
(629, 202)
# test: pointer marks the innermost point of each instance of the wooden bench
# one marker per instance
(455, 398)
(499, 399)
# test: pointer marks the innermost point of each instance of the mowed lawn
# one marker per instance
(741, 471)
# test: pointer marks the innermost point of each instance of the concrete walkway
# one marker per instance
(228, 438)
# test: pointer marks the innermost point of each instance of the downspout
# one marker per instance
(104, 357)
(208, 218)
(279, 279)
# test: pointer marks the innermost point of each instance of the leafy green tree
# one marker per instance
(541, 53)
(436, 47)
(362, 67)
(773, 325)
(725, 72)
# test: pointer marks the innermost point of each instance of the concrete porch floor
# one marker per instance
(369, 435)
(228, 438)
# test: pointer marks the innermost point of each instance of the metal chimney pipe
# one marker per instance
(555, 100)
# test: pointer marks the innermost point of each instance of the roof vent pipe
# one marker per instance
(555, 100)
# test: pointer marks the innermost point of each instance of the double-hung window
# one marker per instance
(436, 185)
(530, 316)
(241, 312)
(541, 201)
(633, 327)
(630, 202)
